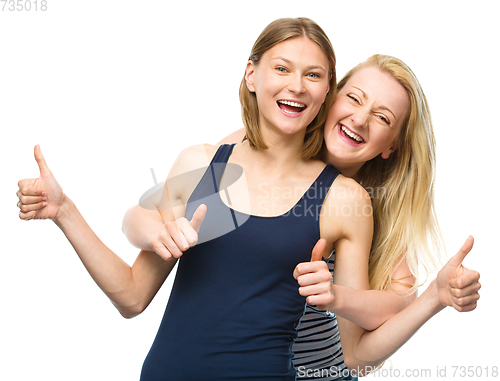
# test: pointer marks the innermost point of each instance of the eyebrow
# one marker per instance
(382, 107)
(291, 63)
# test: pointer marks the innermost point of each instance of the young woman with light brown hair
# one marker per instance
(234, 306)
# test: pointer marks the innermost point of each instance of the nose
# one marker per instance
(360, 117)
(296, 84)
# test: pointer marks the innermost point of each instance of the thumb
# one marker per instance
(457, 259)
(198, 217)
(42, 165)
(318, 250)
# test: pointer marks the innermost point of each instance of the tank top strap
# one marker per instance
(223, 153)
(317, 192)
(221, 157)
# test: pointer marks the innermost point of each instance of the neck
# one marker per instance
(347, 169)
(275, 158)
(283, 149)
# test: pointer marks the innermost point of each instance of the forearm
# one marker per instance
(373, 348)
(141, 226)
(367, 308)
(109, 271)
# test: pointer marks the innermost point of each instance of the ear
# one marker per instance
(388, 151)
(249, 76)
(327, 90)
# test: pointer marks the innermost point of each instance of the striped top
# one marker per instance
(318, 352)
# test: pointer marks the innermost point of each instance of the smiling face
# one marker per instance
(365, 119)
(291, 82)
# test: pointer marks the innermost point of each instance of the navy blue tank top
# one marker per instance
(234, 306)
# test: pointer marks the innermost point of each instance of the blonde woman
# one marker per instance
(396, 165)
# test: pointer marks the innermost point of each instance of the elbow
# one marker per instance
(356, 367)
(128, 315)
(358, 362)
(129, 312)
(371, 321)
(127, 218)
(349, 361)
(349, 356)
(361, 367)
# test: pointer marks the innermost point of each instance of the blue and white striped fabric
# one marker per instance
(318, 352)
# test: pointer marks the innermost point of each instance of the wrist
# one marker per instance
(65, 211)
(336, 305)
(432, 295)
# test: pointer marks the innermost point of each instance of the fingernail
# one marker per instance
(43, 193)
(44, 204)
(44, 198)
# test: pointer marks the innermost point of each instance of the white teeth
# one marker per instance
(352, 135)
(294, 104)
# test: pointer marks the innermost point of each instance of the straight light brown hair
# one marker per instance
(276, 32)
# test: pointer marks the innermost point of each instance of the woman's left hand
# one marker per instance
(315, 279)
(457, 285)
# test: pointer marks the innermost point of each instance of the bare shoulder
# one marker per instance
(186, 173)
(346, 190)
(345, 197)
(347, 209)
(192, 158)
(235, 137)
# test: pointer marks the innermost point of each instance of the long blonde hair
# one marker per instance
(402, 186)
(276, 32)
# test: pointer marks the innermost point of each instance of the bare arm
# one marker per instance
(352, 248)
(131, 289)
(455, 286)
(344, 222)
(371, 308)
(369, 349)
(142, 224)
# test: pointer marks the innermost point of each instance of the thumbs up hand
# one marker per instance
(457, 285)
(178, 236)
(315, 280)
(40, 198)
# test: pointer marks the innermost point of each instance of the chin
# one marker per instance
(290, 130)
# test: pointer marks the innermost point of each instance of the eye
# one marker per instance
(384, 119)
(353, 98)
(281, 69)
(314, 75)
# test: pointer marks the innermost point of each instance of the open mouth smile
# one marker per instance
(291, 108)
(349, 136)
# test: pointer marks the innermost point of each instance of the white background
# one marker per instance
(111, 89)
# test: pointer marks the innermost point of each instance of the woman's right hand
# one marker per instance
(40, 198)
(178, 236)
(457, 285)
(315, 279)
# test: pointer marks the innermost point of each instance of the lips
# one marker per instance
(292, 108)
(350, 136)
